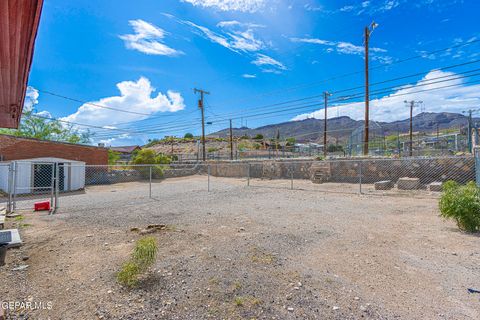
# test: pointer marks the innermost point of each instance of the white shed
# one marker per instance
(37, 175)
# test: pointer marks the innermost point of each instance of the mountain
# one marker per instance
(340, 128)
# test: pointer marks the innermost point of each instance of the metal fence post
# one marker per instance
(14, 187)
(208, 173)
(10, 190)
(150, 184)
(248, 175)
(52, 189)
(360, 177)
(291, 177)
(57, 182)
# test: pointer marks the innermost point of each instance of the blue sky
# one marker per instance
(253, 56)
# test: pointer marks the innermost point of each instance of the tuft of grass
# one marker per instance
(239, 301)
(128, 275)
(145, 252)
(143, 256)
(237, 285)
(246, 301)
(262, 257)
(19, 218)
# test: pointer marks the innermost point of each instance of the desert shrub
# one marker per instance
(462, 204)
(148, 156)
(258, 136)
(145, 252)
(143, 256)
(128, 275)
(212, 149)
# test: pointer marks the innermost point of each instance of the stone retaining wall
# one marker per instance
(460, 169)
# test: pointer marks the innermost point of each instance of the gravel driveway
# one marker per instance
(246, 253)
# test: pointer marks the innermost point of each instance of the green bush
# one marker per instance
(145, 252)
(462, 204)
(143, 256)
(258, 136)
(128, 275)
(113, 157)
(148, 156)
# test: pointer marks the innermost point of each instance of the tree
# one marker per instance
(37, 126)
(188, 136)
(291, 141)
(113, 156)
(258, 137)
(148, 156)
(335, 148)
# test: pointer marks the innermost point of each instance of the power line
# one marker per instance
(341, 76)
(262, 115)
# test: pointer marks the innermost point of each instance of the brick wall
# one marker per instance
(15, 148)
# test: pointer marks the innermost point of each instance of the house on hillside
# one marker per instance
(125, 152)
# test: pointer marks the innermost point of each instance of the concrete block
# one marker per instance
(408, 183)
(435, 186)
(16, 240)
(383, 185)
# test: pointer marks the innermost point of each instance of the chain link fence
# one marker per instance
(76, 185)
(23, 183)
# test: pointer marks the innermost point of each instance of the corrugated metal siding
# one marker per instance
(19, 21)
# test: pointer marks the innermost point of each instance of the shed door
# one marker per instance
(42, 177)
(61, 173)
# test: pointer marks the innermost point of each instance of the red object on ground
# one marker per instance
(40, 206)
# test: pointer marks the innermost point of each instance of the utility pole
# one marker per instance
(368, 31)
(412, 104)
(231, 140)
(470, 127)
(326, 94)
(200, 105)
(277, 140)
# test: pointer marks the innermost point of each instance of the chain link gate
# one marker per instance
(31, 182)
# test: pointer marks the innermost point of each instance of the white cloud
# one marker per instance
(234, 23)
(249, 76)
(343, 47)
(148, 39)
(31, 99)
(230, 5)
(347, 8)
(392, 107)
(236, 36)
(135, 96)
(268, 64)
(310, 7)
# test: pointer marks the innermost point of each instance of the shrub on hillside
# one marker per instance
(462, 204)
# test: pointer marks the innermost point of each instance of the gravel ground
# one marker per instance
(245, 253)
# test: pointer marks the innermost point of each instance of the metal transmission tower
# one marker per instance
(412, 104)
(326, 94)
(201, 106)
(368, 32)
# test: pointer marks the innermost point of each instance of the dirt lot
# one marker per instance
(245, 253)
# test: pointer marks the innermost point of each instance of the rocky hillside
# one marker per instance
(340, 128)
